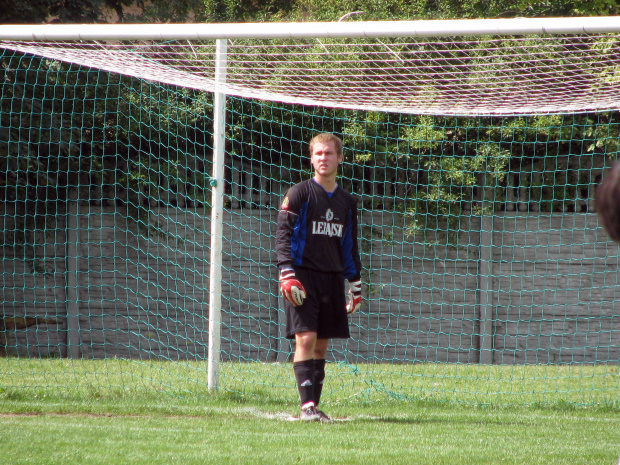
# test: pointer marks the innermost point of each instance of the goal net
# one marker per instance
(474, 159)
(516, 75)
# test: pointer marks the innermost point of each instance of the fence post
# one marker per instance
(485, 288)
(72, 276)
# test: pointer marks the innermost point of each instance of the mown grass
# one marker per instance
(118, 412)
(492, 385)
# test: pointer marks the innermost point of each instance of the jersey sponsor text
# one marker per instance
(327, 229)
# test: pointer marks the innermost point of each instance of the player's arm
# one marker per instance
(355, 296)
(290, 286)
(353, 263)
(288, 217)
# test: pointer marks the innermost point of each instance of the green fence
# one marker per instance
(482, 254)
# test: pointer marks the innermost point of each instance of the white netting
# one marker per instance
(494, 76)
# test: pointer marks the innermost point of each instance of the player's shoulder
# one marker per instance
(295, 195)
(299, 189)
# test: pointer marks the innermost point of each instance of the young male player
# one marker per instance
(316, 246)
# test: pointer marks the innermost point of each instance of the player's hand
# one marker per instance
(355, 296)
(292, 290)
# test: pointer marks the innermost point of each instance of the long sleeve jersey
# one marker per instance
(318, 230)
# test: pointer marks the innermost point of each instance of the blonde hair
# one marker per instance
(327, 137)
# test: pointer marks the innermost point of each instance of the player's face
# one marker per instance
(325, 159)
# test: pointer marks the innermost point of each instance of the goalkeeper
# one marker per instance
(316, 246)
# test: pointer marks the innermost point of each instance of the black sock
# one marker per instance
(319, 377)
(304, 374)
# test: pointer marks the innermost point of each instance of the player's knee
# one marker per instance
(306, 340)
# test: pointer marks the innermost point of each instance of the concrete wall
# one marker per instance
(525, 288)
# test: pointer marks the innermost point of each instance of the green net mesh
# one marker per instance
(486, 276)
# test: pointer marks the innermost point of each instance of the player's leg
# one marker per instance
(302, 324)
(303, 366)
(320, 350)
(332, 323)
(305, 345)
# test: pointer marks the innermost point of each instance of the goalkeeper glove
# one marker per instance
(355, 296)
(292, 289)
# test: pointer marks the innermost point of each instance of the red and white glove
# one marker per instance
(355, 296)
(292, 290)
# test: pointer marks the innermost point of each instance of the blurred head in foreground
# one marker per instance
(607, 202)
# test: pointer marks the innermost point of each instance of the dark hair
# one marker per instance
(607, 202)
(327, 137)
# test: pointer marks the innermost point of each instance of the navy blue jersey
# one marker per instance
(318, 230)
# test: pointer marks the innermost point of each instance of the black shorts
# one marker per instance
(324, 309)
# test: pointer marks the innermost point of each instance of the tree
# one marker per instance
(100, 11)
(24, 12)
(374, 10)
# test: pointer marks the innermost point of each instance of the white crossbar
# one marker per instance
(422, 28)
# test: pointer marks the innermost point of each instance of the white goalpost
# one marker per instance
(217, 210)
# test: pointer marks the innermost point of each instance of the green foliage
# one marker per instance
(98, 136)
(25, 12)
(539, 8)
(86, 11)
(246, 10)
(375, 10)
(129, 139)
(100, 11)
(369, 10)
(168, 11)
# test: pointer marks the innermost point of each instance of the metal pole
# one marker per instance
(217, 211)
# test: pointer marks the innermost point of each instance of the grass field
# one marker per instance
(118, 412)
